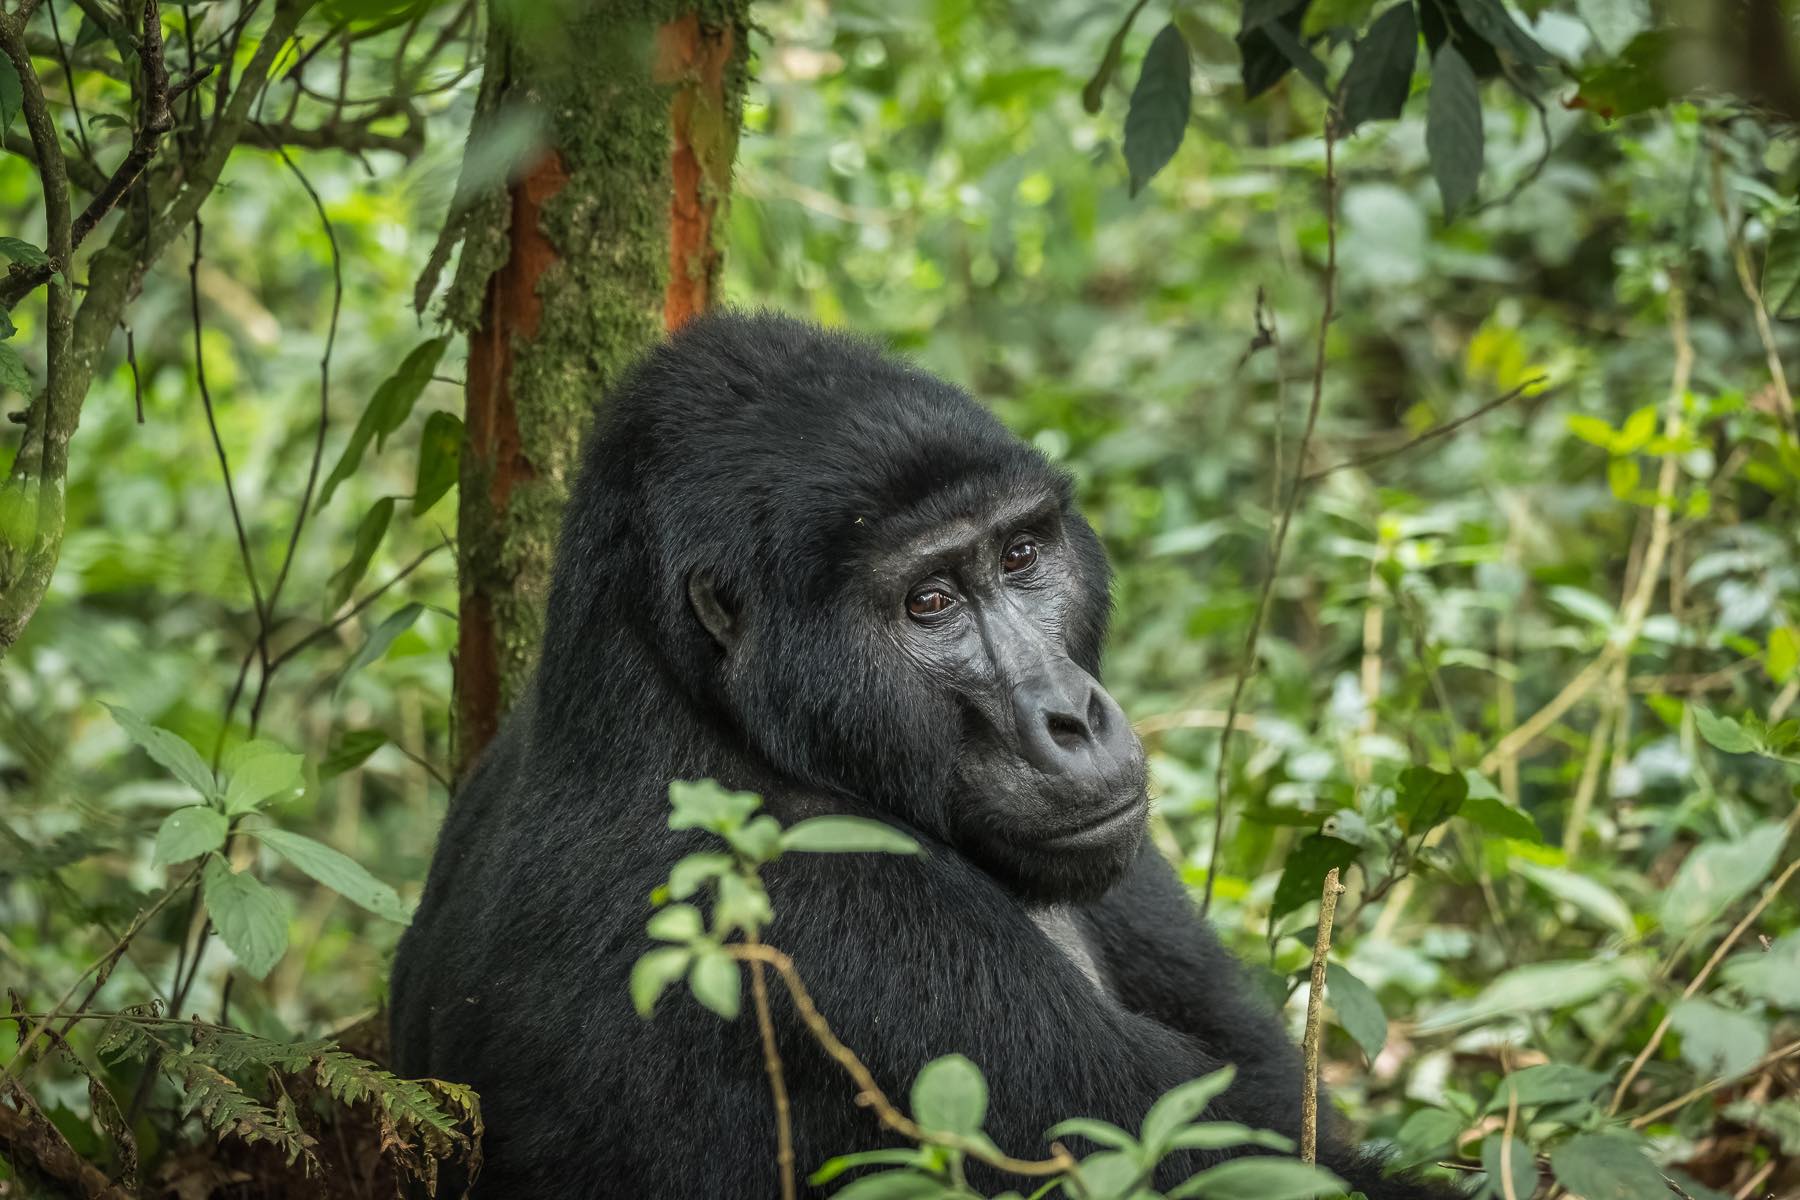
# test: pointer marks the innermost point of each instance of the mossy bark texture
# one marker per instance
(606, 237)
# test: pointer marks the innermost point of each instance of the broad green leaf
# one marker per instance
(758, 840)
(1723, 733)
(1781, 271)
(1182, 1104)
(349, 750)
(676, 923)
(1427, 1133)
(12, 93)
(1592, 430)
(261, 778)
(742, 904)
(1717, 1041)
(895, 1185)
(1490, 19)
(440, 457)
(1782, 659)
(704, 804)
(369, 532)
(1424, 797)
(1637, 430)
(868, 1158)
(249, 918)
(717, 983)
(1531, 988)
(188, 833)
(950, 1096)
(23, 252)
(1102, 1133)
(686, 876)
(1605, 1166)
(1303, 875)
(1590, 896)
(1500, 818)
(654, 972)
(1260, 1178)
(1109, 1174)
(169, 750)
(1636, 81)
(1623, 476)
(337, 871)
(847, 835)
(1772, 975)
(1716, 873)
(1266, 43)
(1095, 90)
(382, 637)
(1548, 1083)
(1453, 133)
(1217, 1135)
(1379, 78)
(1158, 116)
(1358, 1009)
(1501, 1157)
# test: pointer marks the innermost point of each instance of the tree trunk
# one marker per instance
(607, 237)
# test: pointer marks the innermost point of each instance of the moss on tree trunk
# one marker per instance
(608, 236)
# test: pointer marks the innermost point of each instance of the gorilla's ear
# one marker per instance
(714, 614)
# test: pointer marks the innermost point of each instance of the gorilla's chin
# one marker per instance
(1070, 859)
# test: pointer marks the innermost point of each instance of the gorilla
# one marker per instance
(798, 566)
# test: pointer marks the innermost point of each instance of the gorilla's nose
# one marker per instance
(1068, 725)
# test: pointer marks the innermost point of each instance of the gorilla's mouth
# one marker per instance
(1101, 830)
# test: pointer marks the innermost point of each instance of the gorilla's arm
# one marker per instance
(1167, 963)
(910, 959)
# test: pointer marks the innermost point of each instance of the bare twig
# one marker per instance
(1315, 1004)
(869, 1093)
(784, 1127)
(1248, 665)
(1430, 435)
(1686, 1098)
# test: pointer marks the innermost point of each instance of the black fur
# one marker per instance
(778, 458)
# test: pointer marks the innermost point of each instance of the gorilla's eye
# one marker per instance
(1019, 556)
(929, 603)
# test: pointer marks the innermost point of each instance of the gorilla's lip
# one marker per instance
(1099, 829)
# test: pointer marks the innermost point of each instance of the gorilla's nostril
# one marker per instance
(1066, 731)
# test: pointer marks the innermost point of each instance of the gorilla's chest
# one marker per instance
(1057, 923)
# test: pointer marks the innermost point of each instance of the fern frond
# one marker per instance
(225, 1108)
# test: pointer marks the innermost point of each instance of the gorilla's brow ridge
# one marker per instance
(1039, 511)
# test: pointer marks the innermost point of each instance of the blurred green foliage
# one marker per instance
(926, 171)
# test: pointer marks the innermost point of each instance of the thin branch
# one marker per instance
(350, 613)
(1248, 664)
(1430, 435)
(62, 55)
(869, 1093)
(1686, 1098)
(1315, 1003)
(784, 1125)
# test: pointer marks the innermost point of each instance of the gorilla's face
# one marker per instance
(1047, 791)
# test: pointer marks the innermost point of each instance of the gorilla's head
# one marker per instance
(882, 593)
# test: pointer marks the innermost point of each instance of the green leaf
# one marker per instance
(1500, 818)
(676, 923)
(1718, 1042)
(1772, 975)
(742, 904)
(337, 871)
(1531, 988)
(654, 972)
(369, 532)
(1782, 659)
(950, 1096)
(1102, 1133)
(1427, 1133)
(1158, 116)
(440, 457)
(1592, 430)
(1095, 91)
(1453, 133)
(895, 1185)
(12, 93)
(1217, 1135)
(391, 627)
(1490, 19)
(248, 916)
(1358, 1009)
(1518, 1162)
(14, 375)
(868, 1158)
(1424, 797)
(1781, 272)
(1268, 43)
(387, 411)
(1260, 1178)
(1623, 476)
(1603, 1166)
(188, 833)
(169, 750)
(1379, 77)
(705, 804)
(757, 840)
(1303, 875)
(1634, 82)
(1723, 732)
(349, 750)
(258, 779)
(1590, 896)
(23, 252)
(847, 835)
(1549, 1083)
(1718, 872)
(686, 876)
(717, 983)
(1180, 1105)
(1615, 23)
